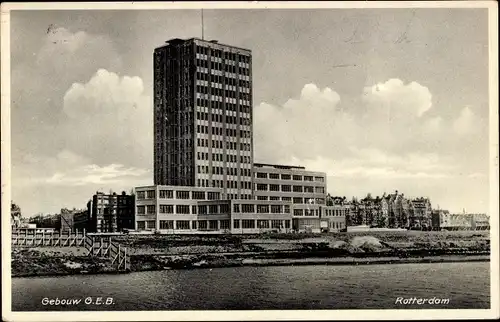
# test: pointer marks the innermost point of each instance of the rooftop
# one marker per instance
(277, 166)
(177, 41)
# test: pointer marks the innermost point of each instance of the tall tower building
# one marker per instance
(203, 116)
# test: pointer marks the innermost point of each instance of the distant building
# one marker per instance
(480, 222)
(111, 212)
(421, 218)
(334, 217)
(15, 216)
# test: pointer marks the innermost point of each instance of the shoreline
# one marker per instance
(268, 262)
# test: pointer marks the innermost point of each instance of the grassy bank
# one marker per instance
(158, 252)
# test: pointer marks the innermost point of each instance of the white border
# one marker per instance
(247, 315)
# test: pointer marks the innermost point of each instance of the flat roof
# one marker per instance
(278, 166)
(212, 42)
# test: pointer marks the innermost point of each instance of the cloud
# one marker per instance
(388, 137)
(466, 122)
(393, 98)
(109, 120)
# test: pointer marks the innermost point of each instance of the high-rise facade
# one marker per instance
(203, 116)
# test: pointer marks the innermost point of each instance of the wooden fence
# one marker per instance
(105, 247)
(95, 245)
(40, 237)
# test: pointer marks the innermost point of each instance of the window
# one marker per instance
(202, 224)
(236, 223)
(287, 224)
(297, 178)
(182, 194)
(182, 224)
(262, 224)
(248, 223)
(140, 195)
(319, 179)
(141, 225)
(151, 194)
(213, 224)
(236, 208)
(262, 198)
(166, 224)
(224, 224)
(141, 210)
(274, 176)
(320, 189)
(275, 209)
(248, 208)
(309, 189)
(274, 187)
(151, 224)
(166, 209)
(166, 194)
(298, 200)
(261, 187)
(262, 209)
(193, 210)
(199, 195)
(150, 209)
(274, 198)
(298, 212)
(277, 224)
(193, 224)
(286, 177)
(213, 195)
(213, 209)
(261, 175)
(287, 209)
(297, 189)
(289, 199)
(320, 201)
(308, 178)
(224, 209)
(286, 188)
(182, 209)
(202, 210)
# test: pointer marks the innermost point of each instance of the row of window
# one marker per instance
(220, 131)
(336, 225)
(264, 175)
(250, 209)
(221, 79)
(229, 119)
(288, 188)
(305, 212)
(221, 92)
(228, 68)
(217, 144)
(296, 200)
(230, 102)
(179, 194)
(260, 224)
(231, 184)
(221, 54)
(220, 171)
(335, 212)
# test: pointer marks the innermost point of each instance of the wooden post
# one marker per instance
(119, 256)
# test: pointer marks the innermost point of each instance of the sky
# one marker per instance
(379, 99)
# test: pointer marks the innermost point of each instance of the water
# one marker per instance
(467, 285)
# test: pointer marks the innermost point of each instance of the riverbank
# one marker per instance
(187, 252)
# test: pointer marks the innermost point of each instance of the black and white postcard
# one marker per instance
(249, 160)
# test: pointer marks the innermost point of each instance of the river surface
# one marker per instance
(466, 285)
